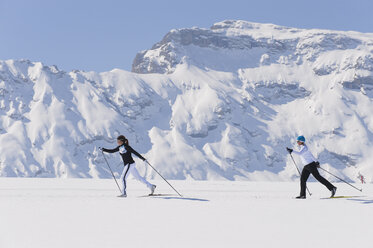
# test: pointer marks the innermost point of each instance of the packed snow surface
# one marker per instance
(61, 213)
(202, 104)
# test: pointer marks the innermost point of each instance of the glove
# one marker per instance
(317, 164)
(289, 150)
(100, 148)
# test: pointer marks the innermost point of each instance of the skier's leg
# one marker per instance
(320, 178)
(124, 176)
(137, 176)
(303, 179)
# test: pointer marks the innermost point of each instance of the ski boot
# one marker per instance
(124, 194)
(152, 189)
(333, 192)
(301, 197)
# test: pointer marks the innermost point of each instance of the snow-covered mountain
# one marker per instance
(218, 103)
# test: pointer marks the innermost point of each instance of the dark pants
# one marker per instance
(312, 169)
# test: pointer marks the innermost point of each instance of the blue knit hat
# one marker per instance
(301, 138)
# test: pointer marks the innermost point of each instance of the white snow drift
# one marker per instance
(219, 103)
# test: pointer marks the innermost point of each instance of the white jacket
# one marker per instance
(305, 155)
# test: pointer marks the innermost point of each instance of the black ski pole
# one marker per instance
(299, 172)
(361, 190)
(163, 178)
(112, 173)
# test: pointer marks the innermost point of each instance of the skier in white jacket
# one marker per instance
(310, 167)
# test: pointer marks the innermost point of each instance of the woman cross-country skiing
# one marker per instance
(310, 167)
(126, 151)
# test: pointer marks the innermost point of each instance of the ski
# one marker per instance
(155, 195)
(341, 197)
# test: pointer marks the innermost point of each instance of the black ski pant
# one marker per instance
(312, 169)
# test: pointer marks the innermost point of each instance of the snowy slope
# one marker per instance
(219, 103)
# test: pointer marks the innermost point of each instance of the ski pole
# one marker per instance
(361, 190)
(299, 172)
(163, 178)
(112, 173)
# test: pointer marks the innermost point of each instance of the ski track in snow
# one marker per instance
(86, 213)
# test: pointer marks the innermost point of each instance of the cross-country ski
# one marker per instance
(343, 197)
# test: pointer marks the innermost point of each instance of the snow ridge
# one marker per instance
(203, 104)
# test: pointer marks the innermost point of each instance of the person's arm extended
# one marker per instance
(116, 149)
(302, 150)
(135, 152)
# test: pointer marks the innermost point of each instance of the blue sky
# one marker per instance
(102, 35)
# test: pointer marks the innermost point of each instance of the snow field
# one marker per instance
(86, 213)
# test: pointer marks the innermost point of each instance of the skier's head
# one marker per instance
(121, 139)
(301, 140)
